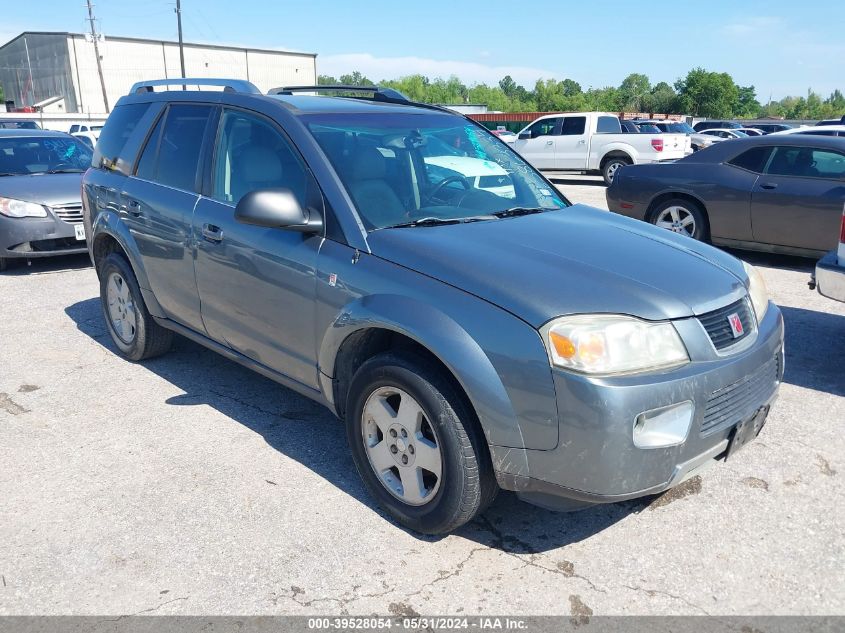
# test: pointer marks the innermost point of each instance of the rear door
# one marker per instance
(159, 201)
(539, 150)
(798, 200)
(571, 142)
(257, 285)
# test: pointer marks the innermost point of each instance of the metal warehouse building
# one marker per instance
(38, 67)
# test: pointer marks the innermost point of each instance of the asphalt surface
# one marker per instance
(190, 485)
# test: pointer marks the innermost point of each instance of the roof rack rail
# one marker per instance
(387, 95)
(228, 85)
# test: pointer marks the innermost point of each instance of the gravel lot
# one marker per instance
(190, 485)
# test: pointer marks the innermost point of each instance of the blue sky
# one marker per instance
(769, 44)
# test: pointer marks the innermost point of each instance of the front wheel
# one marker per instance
(681, 216)
(610, 168)
(130, 325)
(417, 445)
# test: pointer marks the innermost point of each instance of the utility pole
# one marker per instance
(181, 49)
(97, 54)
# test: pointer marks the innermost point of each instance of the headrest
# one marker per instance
(369, 165)
(259, 164)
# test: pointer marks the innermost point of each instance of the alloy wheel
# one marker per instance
(677, 219)
(122, 312)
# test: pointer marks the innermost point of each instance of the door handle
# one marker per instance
(769, 185)
(549, 142)
(212, 233)
(134, 207)
(582, 142)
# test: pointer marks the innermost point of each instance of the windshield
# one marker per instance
(648, 128)
(681, 128)
(21, 156)
(412, 168)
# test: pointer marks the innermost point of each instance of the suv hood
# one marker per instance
(46, 189)
(576, 260)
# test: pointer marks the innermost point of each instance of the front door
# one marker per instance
(798, 201)
(539, 150)
(257, 286)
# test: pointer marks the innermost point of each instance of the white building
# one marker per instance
(37, 66)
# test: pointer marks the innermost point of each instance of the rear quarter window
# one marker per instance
(116, 132)
(753, 159)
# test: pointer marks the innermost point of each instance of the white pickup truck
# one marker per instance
(593, 142)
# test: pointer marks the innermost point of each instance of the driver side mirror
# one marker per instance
(277, 209)
(524, 136)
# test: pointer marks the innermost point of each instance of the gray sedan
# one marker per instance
(770, 193)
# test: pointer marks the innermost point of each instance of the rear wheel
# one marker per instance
(416, 444)
(681, 216)
(611, 166)
(130, 325)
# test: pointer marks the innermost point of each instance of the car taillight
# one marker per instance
(657, 144)
(842, 229)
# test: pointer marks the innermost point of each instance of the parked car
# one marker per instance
(40, 206)
(829, 275)
(725, 134)
(770, 128)
(697, 141)
(715, 125)
(504, 133)
(827, 130)
(750, 131)
(628, 127)
(771, 193)
(18, 124)
(839, 121)
(593, 142)
(471, 341)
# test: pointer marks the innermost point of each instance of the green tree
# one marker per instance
(746, 106)
(355, 79)
(708, 94)
(634, 92)
(663, 99)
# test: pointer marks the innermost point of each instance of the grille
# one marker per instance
(719, 328)
(737, 401)
(70, 213)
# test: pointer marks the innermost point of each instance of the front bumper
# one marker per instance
(596, 460)
(829, 277)
(38, 237)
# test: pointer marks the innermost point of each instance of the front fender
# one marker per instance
(461, 353)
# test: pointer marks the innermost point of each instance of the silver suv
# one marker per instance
(404, 267)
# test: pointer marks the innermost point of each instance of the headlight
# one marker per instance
(612, 344)
(757, 291)
(20, 209)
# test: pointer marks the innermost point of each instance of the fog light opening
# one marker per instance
(663, 427)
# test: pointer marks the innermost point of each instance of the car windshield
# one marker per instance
(425, 169)
(21, 156)
(681, 128)
(648, 128)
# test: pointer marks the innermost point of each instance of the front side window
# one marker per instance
(21, 155)
(407, 167)
(252, 154)
(180, 145)
(575, 125)
(544, 127)
(807, 162)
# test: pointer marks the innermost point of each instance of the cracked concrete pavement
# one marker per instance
(189, 485)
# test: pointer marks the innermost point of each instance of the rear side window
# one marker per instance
(574, 125)
(180, 145)
(753, 159)
(117, 130)
(147, 163)
(606, 125)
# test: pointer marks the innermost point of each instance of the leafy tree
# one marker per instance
(746, 106)
(634, 91)
(663, 99)
(708, 94)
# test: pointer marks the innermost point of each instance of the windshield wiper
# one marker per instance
(432, 221)
(516, 211)
(63, 171)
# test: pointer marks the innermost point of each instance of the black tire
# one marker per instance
(4, 264)
(700, 217)
(148, 339)
(610, 166)
(467, 484)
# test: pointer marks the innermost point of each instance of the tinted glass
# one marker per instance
(573, 125)
(753, 159)
(605, 125)
(807, 162)
(181, 141)
(117, 130)
(147, 163)
(406, 167)
(543, 128)
(39, 155)
(252, 154)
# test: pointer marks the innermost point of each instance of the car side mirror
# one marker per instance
(277, 209)
(524, 136)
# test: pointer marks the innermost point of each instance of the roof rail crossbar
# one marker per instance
(388, 95)
(228, 85)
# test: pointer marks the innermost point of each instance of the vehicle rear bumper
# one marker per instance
(596, 460)
(829, 277)
(38, 237)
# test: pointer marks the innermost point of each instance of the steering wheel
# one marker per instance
(449, 179)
